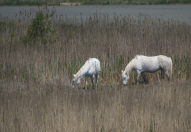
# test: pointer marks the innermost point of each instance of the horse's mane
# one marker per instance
(136, 56)
(80, 72)
(130, 65)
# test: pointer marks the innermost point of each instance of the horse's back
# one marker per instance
(147, 59)
(165, 61)
(152, 63)
(147, 63)
(94, 65)
(152, 59)
(163, 57)
(155, 61)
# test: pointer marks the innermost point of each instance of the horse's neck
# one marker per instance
(81, 73)
(130, 67)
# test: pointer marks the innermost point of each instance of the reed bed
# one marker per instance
(156, 107)
(113, 40)
(35, 77)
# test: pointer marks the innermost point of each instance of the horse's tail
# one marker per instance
(170, 70)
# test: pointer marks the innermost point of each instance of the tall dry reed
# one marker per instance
(113, 40)
(155, 107)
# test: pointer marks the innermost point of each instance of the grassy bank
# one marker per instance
(91, 2)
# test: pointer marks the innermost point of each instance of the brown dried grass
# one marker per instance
(155, 107)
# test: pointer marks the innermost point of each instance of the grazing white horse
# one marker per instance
(91, 68)
(151, 64)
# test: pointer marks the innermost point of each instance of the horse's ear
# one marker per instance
(122, 71)
(74, 75)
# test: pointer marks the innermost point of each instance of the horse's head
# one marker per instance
(125, 77)
(75, 81)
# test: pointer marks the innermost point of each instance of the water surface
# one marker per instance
(175, 12)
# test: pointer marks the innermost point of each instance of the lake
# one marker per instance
(175, 12)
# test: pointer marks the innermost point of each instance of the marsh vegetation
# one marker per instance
(155, 107)
(36, 73)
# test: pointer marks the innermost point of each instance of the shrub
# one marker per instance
(40, 28)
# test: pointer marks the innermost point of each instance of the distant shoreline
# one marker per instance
(98, 2)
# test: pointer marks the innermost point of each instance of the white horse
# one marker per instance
(151, 64)
(91, 68)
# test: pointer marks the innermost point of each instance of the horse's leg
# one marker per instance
(144, 77)
(96, 77)
(138, 75)
(86, 77)
(167, 75)
(162, 74)
(92, 78)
